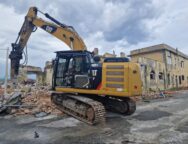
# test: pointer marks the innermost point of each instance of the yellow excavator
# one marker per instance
(83, 86)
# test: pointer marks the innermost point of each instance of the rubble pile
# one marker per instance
(37, 99)
(148, 95)
(151, 95)
(1, 91)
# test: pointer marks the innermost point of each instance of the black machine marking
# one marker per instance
(49, 28)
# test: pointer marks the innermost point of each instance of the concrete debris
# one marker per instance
(34, 100)
(149, 95)
(40, 114)
(153, 95)
(1, 92)
(13, 99)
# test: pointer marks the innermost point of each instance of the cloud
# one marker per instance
(126, 20)
(117, 19)
(2, 63)
(107, 24)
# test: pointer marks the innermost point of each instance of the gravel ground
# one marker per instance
(162, 121)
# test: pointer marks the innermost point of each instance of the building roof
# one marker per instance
(109, 55)
(158, 47)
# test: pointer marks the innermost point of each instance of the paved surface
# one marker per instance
(163, 121)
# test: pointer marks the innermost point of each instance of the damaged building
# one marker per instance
(24, 71)
(42, 77)
(162, 67)
(48, 73)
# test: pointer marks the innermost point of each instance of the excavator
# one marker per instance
(83, 86)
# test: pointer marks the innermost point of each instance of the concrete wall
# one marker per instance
(25, 70)
(48, 73)
(48, 76)
(158, 56)
(152, 73)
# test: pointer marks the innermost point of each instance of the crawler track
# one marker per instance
(80, 107)
(123, 106)
(91, 109)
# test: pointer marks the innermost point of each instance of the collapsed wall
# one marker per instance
(25, 70)
(48, 73)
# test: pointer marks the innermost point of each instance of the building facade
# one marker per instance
(162, 66)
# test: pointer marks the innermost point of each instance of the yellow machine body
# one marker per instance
(118, 79)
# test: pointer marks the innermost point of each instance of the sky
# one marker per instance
(110, 25)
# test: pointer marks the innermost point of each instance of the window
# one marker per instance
(180, 80)
(173, 79)
(182, 64)
(176, 81)
(161, 76)
(152, 75)
(182, 77)
(61, 68)
(168, 77)
(169, 58)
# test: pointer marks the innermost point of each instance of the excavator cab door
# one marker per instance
(72, 69)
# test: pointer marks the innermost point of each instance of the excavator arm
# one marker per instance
(65, 33)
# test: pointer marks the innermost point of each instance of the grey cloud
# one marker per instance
(132, 27)
(22, 6)
(88, 16)
(107, 24)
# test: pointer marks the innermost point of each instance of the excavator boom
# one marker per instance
(65, 33)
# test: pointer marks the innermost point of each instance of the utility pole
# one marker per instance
(6, 72)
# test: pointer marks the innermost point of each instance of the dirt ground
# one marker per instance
(162, 121)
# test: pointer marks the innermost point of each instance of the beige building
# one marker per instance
(162, 67)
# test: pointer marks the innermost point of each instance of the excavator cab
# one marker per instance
(76, 69)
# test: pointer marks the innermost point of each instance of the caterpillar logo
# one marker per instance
(50, 29)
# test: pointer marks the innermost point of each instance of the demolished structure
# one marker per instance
(162, 66)
(48, 73)
(25, 70)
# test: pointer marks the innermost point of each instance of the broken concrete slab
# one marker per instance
(41, 114)
(9, 101)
